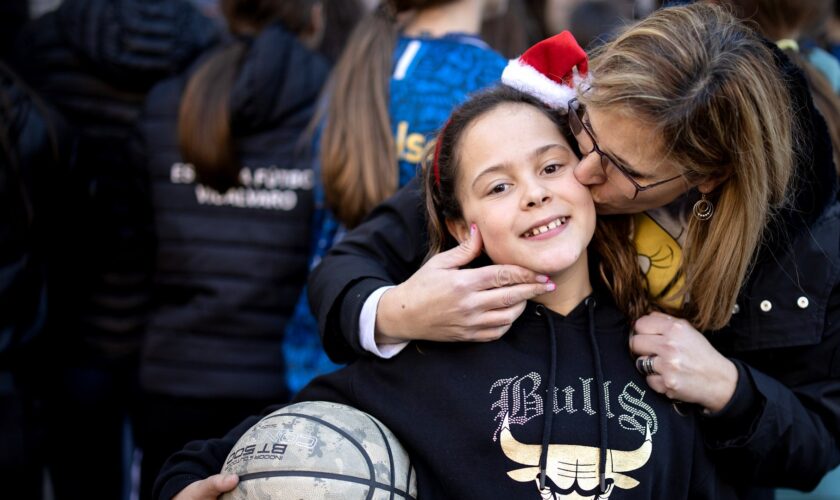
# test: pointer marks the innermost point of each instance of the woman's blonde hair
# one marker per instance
(711, 90)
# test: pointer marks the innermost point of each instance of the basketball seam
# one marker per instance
(410, 473)
(374, 485)
(390, 455)
(341, 431)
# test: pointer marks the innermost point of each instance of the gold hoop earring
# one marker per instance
(703, 209)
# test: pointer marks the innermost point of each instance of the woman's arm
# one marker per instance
(384, 250)
(765, 433)
(438, 299)
(787, 437)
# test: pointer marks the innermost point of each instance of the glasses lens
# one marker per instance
(574, 122)
(605, 164)
(618, 178)
(587, 147)
(581, 134)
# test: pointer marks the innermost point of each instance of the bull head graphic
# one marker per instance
(572, 470)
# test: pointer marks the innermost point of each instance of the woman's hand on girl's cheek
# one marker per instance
(688, 368)
(442, 302)
(209, 488)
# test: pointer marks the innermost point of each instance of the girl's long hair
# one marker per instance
(204, 132)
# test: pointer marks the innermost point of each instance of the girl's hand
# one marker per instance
(208, 489)
(441, 302)
(686, 366)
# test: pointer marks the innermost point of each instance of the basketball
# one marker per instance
(319, 450)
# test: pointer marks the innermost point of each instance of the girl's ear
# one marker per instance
(459, 229)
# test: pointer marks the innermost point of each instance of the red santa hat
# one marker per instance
(550, 70)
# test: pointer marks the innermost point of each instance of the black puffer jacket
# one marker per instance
(95, 60)
(35, 150)
(782, 427)
(230, 266)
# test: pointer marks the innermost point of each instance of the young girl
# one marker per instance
(555, 409)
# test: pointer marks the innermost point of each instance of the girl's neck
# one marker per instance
(573, 286)
(463, 16)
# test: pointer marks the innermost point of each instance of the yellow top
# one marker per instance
(660, 256)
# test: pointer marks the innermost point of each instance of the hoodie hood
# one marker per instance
(136, 41)
(278, 82)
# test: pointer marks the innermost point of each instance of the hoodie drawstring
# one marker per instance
(603, 444)
(603, 438)
(552, 381)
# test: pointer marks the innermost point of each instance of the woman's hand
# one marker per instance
(444, 303)
(686, 366)
(208, 489)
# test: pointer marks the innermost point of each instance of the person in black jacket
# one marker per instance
(95, 61)
(231, 181)
(773, 372)
(35, 159)
(553, 410)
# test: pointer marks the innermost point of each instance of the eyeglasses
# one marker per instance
(608, 164)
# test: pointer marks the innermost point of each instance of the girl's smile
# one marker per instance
(545, 230)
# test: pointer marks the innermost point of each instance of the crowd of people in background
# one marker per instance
(172, 171)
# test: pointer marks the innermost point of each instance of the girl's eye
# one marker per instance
(498, 188)
(552, 169)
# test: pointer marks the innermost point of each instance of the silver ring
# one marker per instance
(645, 365)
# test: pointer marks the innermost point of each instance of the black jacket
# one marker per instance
(474, 418)
(35, 154)
(95, 61)
(782, 428)
(230, 266)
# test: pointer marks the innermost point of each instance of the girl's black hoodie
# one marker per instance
(478, 421)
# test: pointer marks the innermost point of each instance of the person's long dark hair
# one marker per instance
(204, 132)
(358, 154)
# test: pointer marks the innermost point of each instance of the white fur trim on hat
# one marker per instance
(527, 79)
